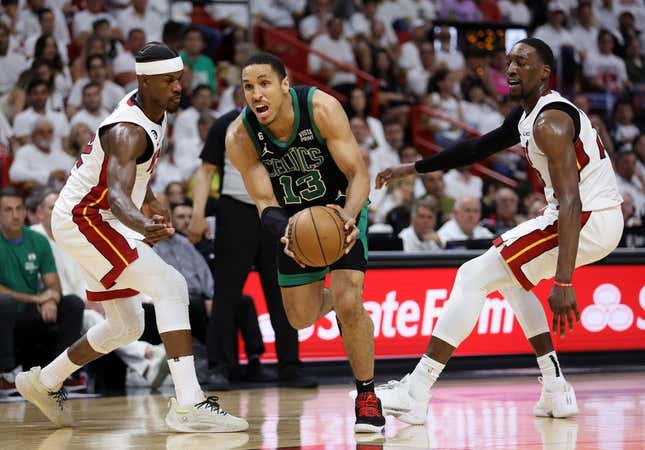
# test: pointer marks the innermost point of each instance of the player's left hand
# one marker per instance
(351, 230)
(562, 301)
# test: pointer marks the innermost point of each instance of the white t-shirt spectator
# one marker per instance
(410, 59)
(600, 65)
(457, 186)
(149, 22)
(450, 231)
(453, 59)
(89, 119)
(341, 50)
(515, 12)
(586, 39)
(278, 12)
(25, 120)
(412, 243)
(13, 64)
(414, 9)
(29, 25)
(361, 25)
(111, 94)
(32, 164)
(556, 39)
(635, 188)
(83, 21)
(482, 116)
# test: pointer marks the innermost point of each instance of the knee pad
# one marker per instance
(528, 310)
(124, 323)
(171, 305)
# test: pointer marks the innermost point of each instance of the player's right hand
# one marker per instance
(384, 177)
(157, 229)
(197, 229)
(287, 246)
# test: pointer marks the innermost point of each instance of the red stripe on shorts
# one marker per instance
(110, 295)
(110, 243)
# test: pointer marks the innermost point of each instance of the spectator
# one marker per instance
(464, 224)
(435, 187)
(23, 124)
(489, 11)
(92, 112)
(280, 13)
(186, 133)
(462, 183)
(421, 235)
(333, 43)
(139, 16)
(315, 24)
(448, 54)
(361, 23)
(29, 23)
(83, 20)
(497, 74)
(418, 77)
(459, 10)
(47, 21)
(625, 131)
(606, 13)
(123, 66)
(628, 181)
(634, 62)
(554, 32)
(12, 63)
(479, 110)
(392, 93)
(358, 107)
(111, 93)
(634, 231)
(444, 101)
(410, 56)
(93, 45)
(388, 155)
(175, 193)
(602, 69)
(42, 161)
(505, 216)
(536, 208)
(31, 314)
(515, 12)
(58, 84)
(585, 33)
(399, 197)
(79, 136)
(201, 66)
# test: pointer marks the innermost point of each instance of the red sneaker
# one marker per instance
(7, 384)
(76, 383)
(369, 414)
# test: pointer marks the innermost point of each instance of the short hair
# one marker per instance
(91, 84)
(267, 58)
(200, 87)
(43, 11)
(92, 57)
(424, 203)
(193, 29)
(174, 206)
(34, 83)
(391, 121)
(543, 50)
(11, 192)
(98, 22)
(155, 51)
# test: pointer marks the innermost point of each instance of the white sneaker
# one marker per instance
(52, 404)
(157, 367)
(559, 403)
(203, 417)
(396, 401)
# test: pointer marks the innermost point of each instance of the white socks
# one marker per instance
(57, 371)
(424, 376)
(184, 377)
(552, 376)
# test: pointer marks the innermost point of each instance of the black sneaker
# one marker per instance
(294, 377)
(369, 414)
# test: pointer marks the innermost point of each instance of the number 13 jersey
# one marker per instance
(302, 170)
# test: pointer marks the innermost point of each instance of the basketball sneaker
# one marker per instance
(398, 402)
(51, 404)
(559, 403)
(203, 417)
(369, 414)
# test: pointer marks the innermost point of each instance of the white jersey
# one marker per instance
(86, 192)
(597, 185)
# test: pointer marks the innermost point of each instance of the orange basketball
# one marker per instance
(317, 236)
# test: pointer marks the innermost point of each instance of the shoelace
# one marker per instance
(60, 396)
(367, 405)
(212, 404)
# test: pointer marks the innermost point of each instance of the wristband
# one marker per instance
(275, 219)
(558, 283)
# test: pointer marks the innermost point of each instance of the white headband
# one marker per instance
(159, 67)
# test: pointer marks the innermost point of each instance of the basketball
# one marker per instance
(317, 236)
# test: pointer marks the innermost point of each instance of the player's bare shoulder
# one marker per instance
(123, 137)
(327, 112)
(239, 146)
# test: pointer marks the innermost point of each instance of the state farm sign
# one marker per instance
(404, 305)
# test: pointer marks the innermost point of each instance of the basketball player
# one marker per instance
(581, 224)
(97, 219)
(294, 149)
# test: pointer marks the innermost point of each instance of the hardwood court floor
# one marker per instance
(473, 414)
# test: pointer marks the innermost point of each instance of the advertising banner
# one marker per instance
(404, 304)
